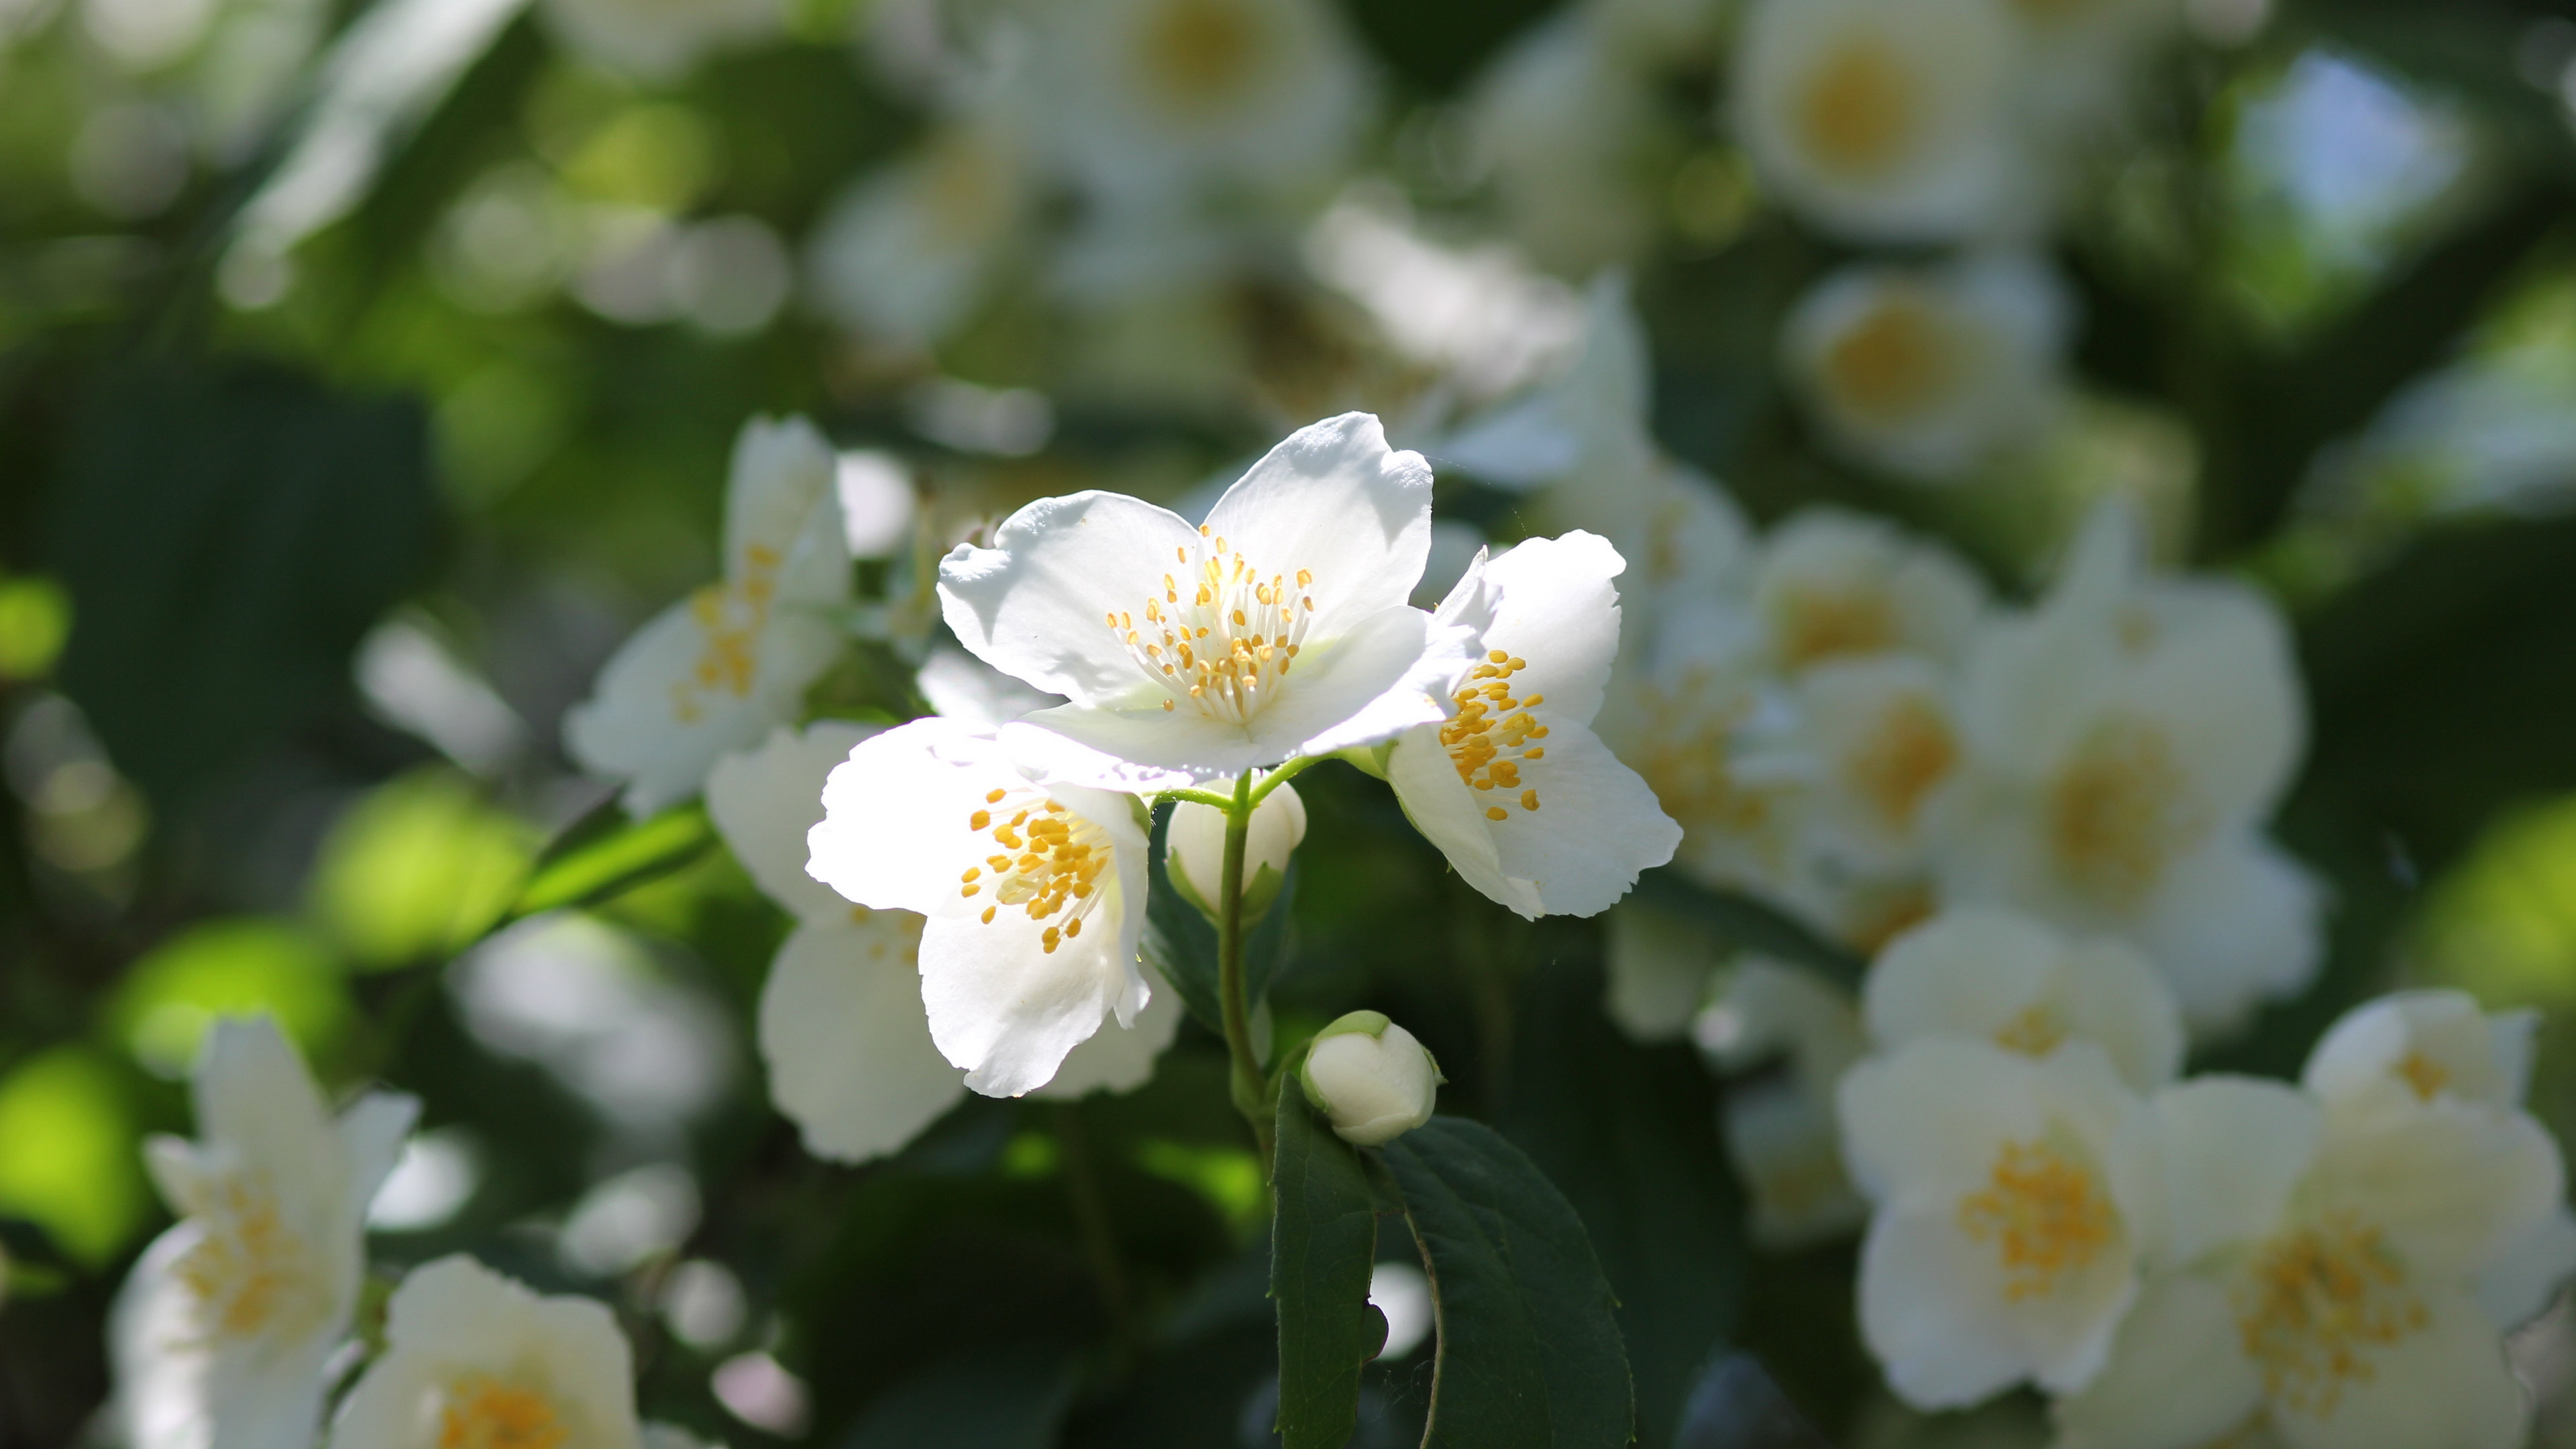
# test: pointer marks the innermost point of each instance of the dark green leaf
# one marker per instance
(1529, 1355)
(228, 534)
(1010, 1398)
(1630, 1134)
(1323, 1241)
(1751, 924)
(609, 864)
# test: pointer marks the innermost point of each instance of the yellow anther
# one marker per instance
(1529, 799)
(980, 820)
(993, 797)
(1497, 812)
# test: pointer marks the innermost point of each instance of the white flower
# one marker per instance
(2416, 1048)
(1146, 98)
(1034, 893)
(2321, 1275)
(222, 1335)
(1660, 966)
(660, 39)
(1885, 120)
(842, 1024)
(1932, 372)
(1885, 745)
(1829, 584)
(473, 1358)
(1780, 1131)
(1979, 974)
(2014, 1198)
(1194, 849)
(1566, 125)
(904, 253)
(1371, 1078)
(1277, 629)
(2124, 743)
(720, 670)
(1699, 718)
(1527, 803)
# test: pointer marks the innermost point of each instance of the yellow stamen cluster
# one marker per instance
(2427, 1076)
(481, 1413)
(1908, 754)
(731, 616)
(2118, 812)
(2045, 1215)
(2312, 1303)
(1049, 865)
(1494, 732)
(248, 1273)
(1815, 622)
(1859, 111)
(1222, 635)
(2036, 1031)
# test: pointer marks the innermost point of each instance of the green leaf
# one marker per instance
(1181, 943)
(592, 864)
(1323, 1242)
(1629, 1133)
(1010, 1398)
(227, 535)
(1752, 924)
(1529, 1353)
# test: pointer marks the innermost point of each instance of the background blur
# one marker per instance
(368, 370)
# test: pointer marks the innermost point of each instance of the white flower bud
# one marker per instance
(1371, 1078)
(1194, 851)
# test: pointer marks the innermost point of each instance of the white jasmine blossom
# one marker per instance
(1702, 721)
(1371, 1078)
(1781, 1134)
(1886, 745)
(2123, 744)
(1278, 629)
(1885, 120)
(1527, 803)
(1988, 975)
(473, 1358)
(1033, 890)
(718, 671)
(2015, 1196)
(222, 1334)
(1829, 584)
(2320, 1277)
(1932, 372)
(2412, 1050)
(1565, 123)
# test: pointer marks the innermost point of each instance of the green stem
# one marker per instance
(1279, 777)
(1251, 1089)
(1196, 797)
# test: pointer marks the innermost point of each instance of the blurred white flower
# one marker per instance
(720, 670)
(1932, 372)
(2321, 1274)
(1979, 974)
(1886, 744)
(473, 1358)
(1566, 125)
(223, 1333)
(1781, 1133)
(1034, 893)
(1148, 99)
(2015, 1196)
(842, 1024)
(1660, 965)
(904, 254)
(1371, 1078)
(1886, 120)
(2124, 743)
(1527, 803)
(660, 39)
(1831, 584)
(1176, 645)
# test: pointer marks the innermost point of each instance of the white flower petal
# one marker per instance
(657, 721)
(1968, 973)
(1930, 1312)
(454, 1322)
(2455, 1185)
(847, 1042)
(1660, 968)
(2175, 1378)
(1928, 1117)
(2524, 1278)
(783, 513)
(1450, 816)
(2402, 1050)
(1032, 605)
(1333, 498)
(765, 801)
(1119, 1058)
(2231, 1150)
(886, 805)
(2446, 1382)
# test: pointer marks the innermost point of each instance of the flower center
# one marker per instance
(1493, 732)
(1222, 635)
(1814, 622)
(1858, 108)
(1895, 365)
(482, 1413)
(2036, 1031)
(2427, 1076)
(2118, 812)
(2314, 1301)
(1197, 52)
(248, 1273)
(2044, 1215)
(1049, 865)
(731, 616)
(1897, 766)
(1682, 752)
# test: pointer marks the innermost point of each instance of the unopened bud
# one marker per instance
(1371, 1078)
(1194, 851)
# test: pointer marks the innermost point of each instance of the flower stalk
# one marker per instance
(1251, 1086)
